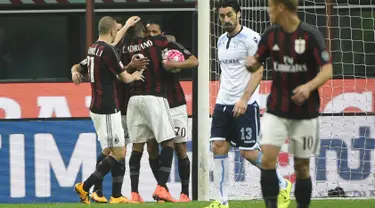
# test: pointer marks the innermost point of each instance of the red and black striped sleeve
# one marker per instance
(160, 41)
(181, 48)
(83, 66)
(113, 61)
(319, 48)
(263, 51)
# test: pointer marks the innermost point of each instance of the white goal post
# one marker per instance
(203, 98)
(347, 102)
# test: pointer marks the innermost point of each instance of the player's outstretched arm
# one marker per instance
(129, 23)
(137, 63)
(76, 75)
(129, 78)
(191, 62)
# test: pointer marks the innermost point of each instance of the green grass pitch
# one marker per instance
(233, 204)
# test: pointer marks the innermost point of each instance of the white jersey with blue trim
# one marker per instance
(232, 54)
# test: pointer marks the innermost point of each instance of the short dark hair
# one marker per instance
(106, 24)
(154, 22)
(291, 5)
(136, 29)
(119, 20)
(232, 3)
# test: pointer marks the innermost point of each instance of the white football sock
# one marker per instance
(282, 182)
(221, 177)
(258, 163)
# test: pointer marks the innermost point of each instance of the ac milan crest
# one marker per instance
(300, 46)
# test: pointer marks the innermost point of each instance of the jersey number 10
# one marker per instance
(90, 66)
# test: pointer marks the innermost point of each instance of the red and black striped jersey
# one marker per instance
(176, 95)
(103, 66)
(155, 74)
(297, 58)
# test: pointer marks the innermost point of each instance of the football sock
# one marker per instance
(184, 172)
(118, 172)
(103, 168)
(166, 158)
(302, 192)
(98, 188)
(135, 165)
(258, 163)
(270, 187)
(154, 164)
(221, 177)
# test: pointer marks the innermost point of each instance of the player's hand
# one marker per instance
(138, 75)
(132, 21)
(239, 108)
(301, 94)
(139, 63)
(171, 65)
(77, 77)
(252, 64)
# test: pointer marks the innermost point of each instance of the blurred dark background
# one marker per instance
(39, 45)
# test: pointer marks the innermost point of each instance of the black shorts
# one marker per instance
(240, 132)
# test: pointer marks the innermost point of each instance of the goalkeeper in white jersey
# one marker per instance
(236, 117)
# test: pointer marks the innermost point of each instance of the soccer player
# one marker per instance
(301, 64)
(148, 114)
(177, 103)
(78, 72)
(236, 119)
(104, 68)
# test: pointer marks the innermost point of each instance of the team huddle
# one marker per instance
(137, 98)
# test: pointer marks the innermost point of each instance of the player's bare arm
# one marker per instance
(129, 78)
(191, 62)
(302, 93)
(241, 105)
(136, 64)
(76, 75)
(129, 23)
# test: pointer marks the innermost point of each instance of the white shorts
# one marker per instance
(149, 117)
(125, 127)
(303, 134)
(109, 129)
(180, 120)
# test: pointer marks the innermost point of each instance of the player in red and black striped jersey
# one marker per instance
(151, 47)
(104, 67)
(80, 70)
(177, 103)
(148, 113)
(301, 64)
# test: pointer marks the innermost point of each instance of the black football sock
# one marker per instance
(103, 168)
(98, 188)
(135, 165)
(118, 172)
(184, 172)
(154, 164)
(166, 158)
(302, 192)
(270, 187)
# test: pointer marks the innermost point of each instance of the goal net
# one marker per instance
(347, 121)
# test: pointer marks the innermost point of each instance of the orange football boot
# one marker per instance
(121, 200)
(184, 198)
(137, 197)
(83, 195)
(161, 193)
